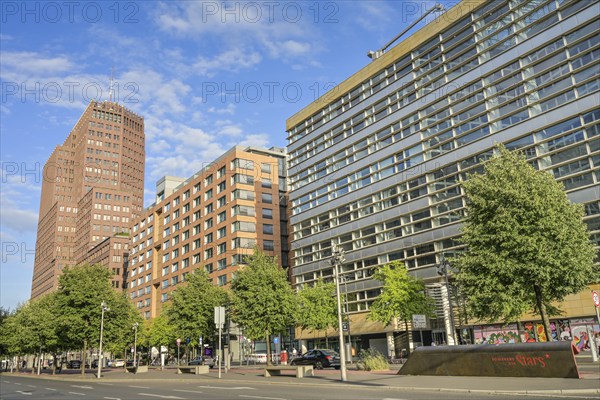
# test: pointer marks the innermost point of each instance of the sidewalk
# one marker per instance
(589, 384)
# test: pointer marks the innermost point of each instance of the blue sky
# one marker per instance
(205, 75)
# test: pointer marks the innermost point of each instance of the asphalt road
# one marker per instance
(25, 388)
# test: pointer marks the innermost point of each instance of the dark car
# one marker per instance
(74, 364)
(203, 361)
(319, 359)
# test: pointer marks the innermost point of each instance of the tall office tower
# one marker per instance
(210, 221)
(375, 166)
(92, 189)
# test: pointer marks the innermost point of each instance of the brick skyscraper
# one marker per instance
(93, 186)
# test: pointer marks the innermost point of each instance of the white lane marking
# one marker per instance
(30, 386)
(112, 398)
(228, 388)
(140, 387)
(79, 394)
(20, 384)
(82, 387)
(107, 384)
(7, 381)
(54, 390)
(27, 393)
(158, 395)
(187, 391)
(261, 397)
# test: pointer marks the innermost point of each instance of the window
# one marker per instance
(267, 213)
(221, 172)
(222, 248)
(265, 167)
(208, 209)
(221, 232)
(208, 223)
(208, 180)
(208, 268)
(243, 210)
(267, 198)
(242, 178)
(222, 280)
(221, 202)
(208, 238)
(208, 194)
(266, 183)
(268, 229)
(221, 186)
(268, 245)
(208, 253)
(221, 264)
(221, 217)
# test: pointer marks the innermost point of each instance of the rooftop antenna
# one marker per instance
(110, 90)
(374, 55)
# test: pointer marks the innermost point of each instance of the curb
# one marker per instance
(339, 384)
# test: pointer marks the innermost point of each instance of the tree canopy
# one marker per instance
(263, 301)
(191, 310)
(81, 291)
(402, 295)
(317, 307)
(526, 243)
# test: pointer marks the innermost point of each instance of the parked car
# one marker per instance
(210, 361)
(117, 363)
(319, 359)
(74, 364)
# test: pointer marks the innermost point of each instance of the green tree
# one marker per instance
(192, 306)
(263, 300)
(402, 295)
(82, 289)
(317, 307)
(527, 245)
(159, 333)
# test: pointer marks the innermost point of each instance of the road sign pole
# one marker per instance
(596, 298)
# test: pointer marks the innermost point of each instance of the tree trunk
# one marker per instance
(326, 339)
(53, 364)
(269, 361)
(83, 357)
(542, 308)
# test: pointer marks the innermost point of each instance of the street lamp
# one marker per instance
(135, 326)
(337, 258)
(442, 269)
(104, 308)
(347, 310)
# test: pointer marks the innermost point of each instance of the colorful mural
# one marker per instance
(495, 334)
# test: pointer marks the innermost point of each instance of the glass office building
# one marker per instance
(375, 165)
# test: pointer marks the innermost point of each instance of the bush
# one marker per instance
(372, 360)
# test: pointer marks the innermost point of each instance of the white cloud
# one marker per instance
(232, 60)
(255, 140)
(32, 62)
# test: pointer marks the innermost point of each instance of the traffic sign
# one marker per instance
(345, 326)
(596, 298)
(419, 321)
(219, 316)
(276, 339)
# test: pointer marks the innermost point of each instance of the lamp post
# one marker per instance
(104, 308)
(135, 326)
(337, 258)
(347, 310)
(442, 269)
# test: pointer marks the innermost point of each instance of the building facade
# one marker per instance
(92, 188)
(375, 165)
(209, 221)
